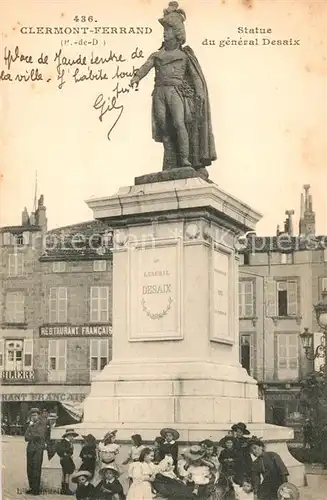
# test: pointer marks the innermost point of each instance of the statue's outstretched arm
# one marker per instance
(143, 70)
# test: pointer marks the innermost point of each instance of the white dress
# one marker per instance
(140, 489)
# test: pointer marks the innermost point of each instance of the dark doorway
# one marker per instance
(279, 415)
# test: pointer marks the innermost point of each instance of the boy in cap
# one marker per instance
(35, 437)
(84, 490)
(65, 450)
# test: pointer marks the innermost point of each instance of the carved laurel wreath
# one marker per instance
(157, 315)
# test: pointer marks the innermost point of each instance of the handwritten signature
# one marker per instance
(111, 103)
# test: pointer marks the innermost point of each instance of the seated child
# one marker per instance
(182, 465)
(198, 473)
(109, 488)
(84, 490)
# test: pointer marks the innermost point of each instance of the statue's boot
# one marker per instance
(203, 172)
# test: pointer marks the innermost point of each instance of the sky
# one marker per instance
(268, 105)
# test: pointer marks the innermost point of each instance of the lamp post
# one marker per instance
(307, 337)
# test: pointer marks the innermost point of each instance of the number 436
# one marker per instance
(83, 19)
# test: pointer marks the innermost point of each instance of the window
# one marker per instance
(288, 356)
(57, 360)
(16, 264)
(18, 355)
(281, 298)
(99, 265)
(286, 258)
(58, 267)
(246, 352)
(99, 304)
(245, 288)
(287, 298)
(323, 287)
(15, 307)
(98, 356)
(58, 305)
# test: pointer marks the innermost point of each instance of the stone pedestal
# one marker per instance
(175, 317)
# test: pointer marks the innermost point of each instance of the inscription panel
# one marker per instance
(155, 291)
(222, 290)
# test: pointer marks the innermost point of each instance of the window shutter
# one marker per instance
(104, 303)
(6, 238)
(20, 264)
(270, 295)
(292, 305)
(94, 303)
(52, 348)
(12, 268)
(62, 305)
(282, 352)
(240, 296)
(26, 237)
(248, 289)
(28, 353)
(325, 254)
(61, 354)
(2, 354)
(103, 353)
(293, 352)
(94, 354)
(53, 305)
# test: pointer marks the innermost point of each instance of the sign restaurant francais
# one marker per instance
(75, 331)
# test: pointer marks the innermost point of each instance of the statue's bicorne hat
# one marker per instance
(174, 18)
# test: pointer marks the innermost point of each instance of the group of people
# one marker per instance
(237, 467)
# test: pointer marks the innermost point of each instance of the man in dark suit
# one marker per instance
(35, 437)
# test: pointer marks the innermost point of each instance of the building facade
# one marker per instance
(56, 307)
(56, 311)
(281, 278)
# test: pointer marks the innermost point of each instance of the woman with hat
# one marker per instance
(243, 467)
(84, 490)
(65, 450)
(108, 448)
(109, 488)
(88, 454)
(170, 446)
(268, 470)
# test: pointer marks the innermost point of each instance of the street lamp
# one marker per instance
(307, 337)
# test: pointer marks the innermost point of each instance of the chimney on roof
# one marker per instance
(307, 224)
(25, 217)
(289, 222)
(40, 214)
